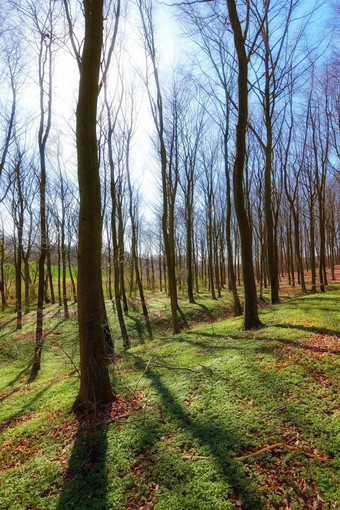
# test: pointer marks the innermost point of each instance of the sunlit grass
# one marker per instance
(208, 395)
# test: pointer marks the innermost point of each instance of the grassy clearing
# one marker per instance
(188, 408)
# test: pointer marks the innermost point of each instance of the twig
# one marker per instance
(206, 368)
(194, 457)
(69, 357)
(284, 445)
(130, 421)
(170, 367)
(145, 370)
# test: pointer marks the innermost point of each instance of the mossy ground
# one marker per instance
(188, 407)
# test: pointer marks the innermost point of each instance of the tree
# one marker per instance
(250, 313)
(95, 386)
(320, 123)
(19, 222)
(291, 179)
(191, 133)
(209, 158)
(116, 163)
(133, 208)
(167, 139)
(212, 40)
(44, 25)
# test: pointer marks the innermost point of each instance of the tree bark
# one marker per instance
(71, 274)
(231, 272)
(250, 314)
(95, 386)
(20, 225)
(2, 277)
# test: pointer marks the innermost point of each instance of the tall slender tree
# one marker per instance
(95, 386)
(250, 313)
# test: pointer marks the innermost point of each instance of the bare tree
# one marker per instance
(167, 150)
(250, 314)
(95, 386)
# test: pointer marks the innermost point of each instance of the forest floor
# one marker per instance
(213, 418)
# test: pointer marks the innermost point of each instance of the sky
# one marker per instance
(172, 48)
(65, 86)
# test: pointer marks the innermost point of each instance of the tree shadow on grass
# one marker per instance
(34, 372)
(182, 316)
(309, 309)
(311, 329)
(8, 333)
(308, 347)
(318, 298)
(265, 348)
(206, 310)
(208, 346)
(225, 336)
(220, 442)
(5, 323)
(24, 371)
(85, 480)
(138, 326)
(26, 408)
(149, 328)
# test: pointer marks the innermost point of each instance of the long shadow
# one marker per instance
(8, 333)
(149, 328)
(311, 329)
(266, 348)
(22, 372)
(206, 309)
(138, 327)
(309, 310)
(308, 347)
(4, 324)
(226, 335)
(23, 410)
(209, 347)
(34, 373)
(183, 317)
(219, 440)
(50, 331)
(85, 480)
(316, 297)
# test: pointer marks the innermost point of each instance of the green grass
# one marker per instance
(232, 394)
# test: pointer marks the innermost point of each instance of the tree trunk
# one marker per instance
(2, 277)
(312, 246)
(189, 254)
(169, 245)
(49, 271)
(63, 254)
(210, 251)
(71, 274)
(271, 249)
(20, 225)
(298, 249)
(95, 386)
(322, 259)
(59, 269)
(250, 314)
(121, 258)
(231, 273)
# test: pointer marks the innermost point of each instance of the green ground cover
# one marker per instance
(214, 418)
